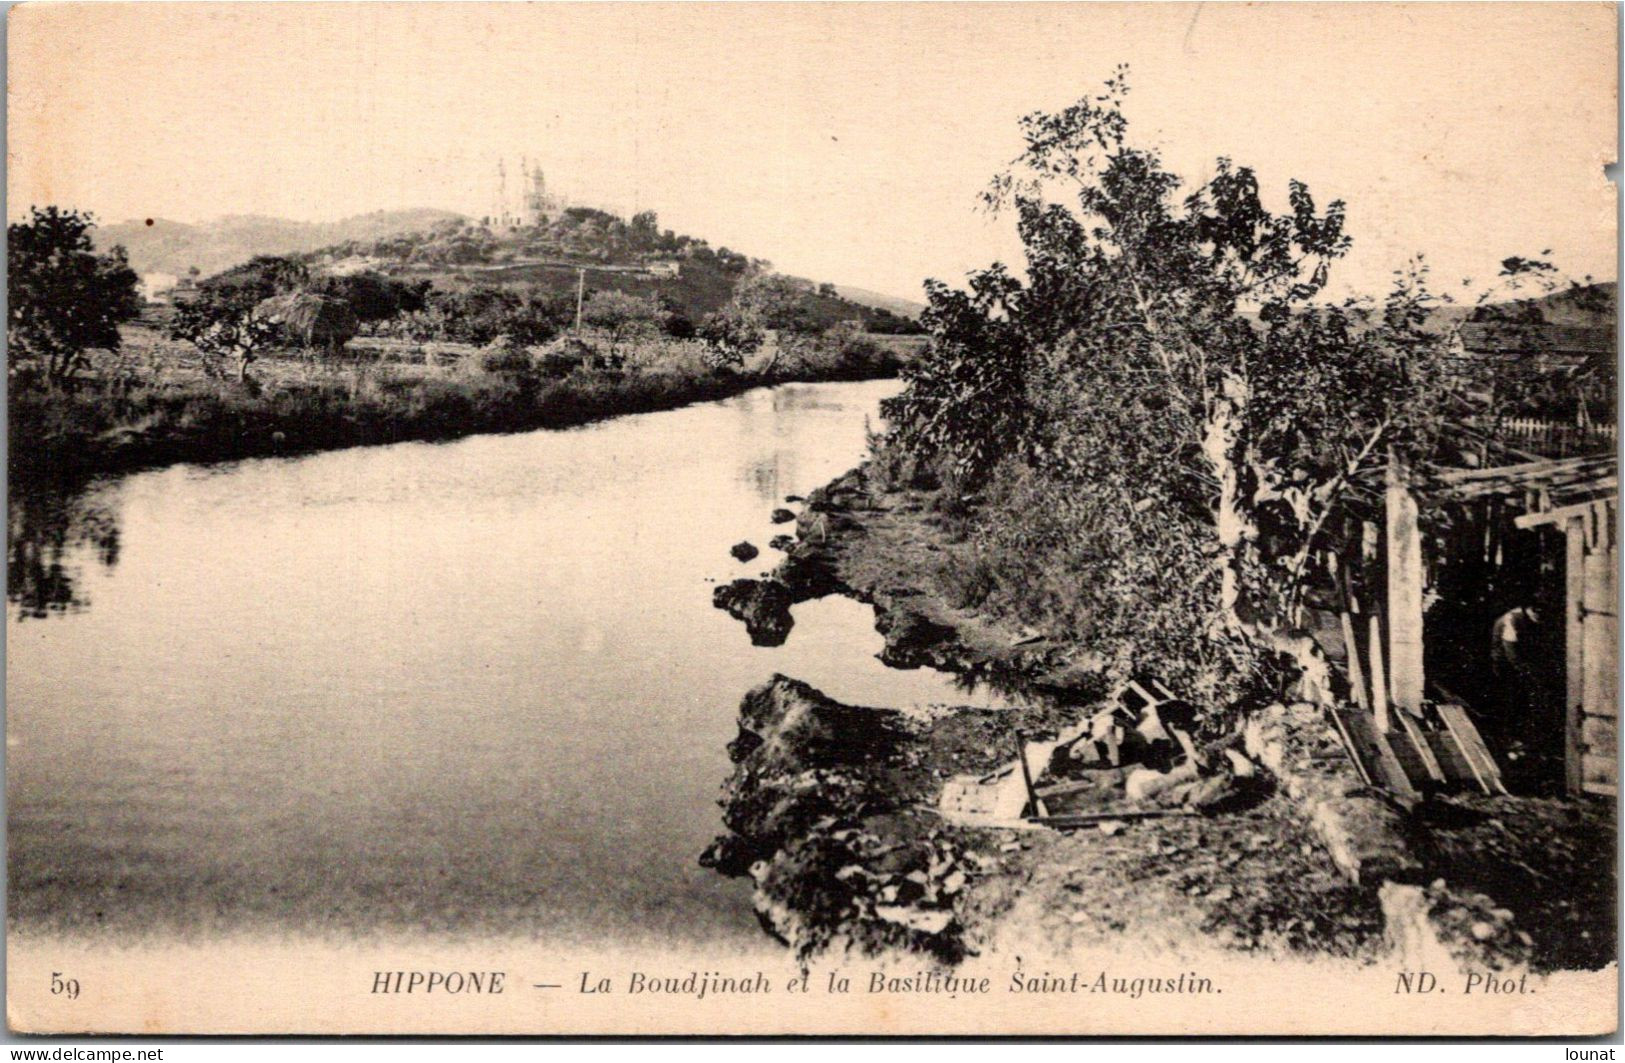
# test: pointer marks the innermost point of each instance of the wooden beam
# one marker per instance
(1546, 468)
(1404, 663)
(1034, 802)
(1573, 654)
(1379, 680)
(1561, 514)
(1600, 646)
(1418, 741)
(1472, 748)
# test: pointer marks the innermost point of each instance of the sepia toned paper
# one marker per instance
(428, 736)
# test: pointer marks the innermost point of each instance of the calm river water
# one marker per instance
(461, 688)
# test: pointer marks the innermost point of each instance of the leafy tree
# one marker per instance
(643, 232)
(258, 279)
(65, 299)
(223, 326)
(482, 313)
(620, 315)
(1166, 415)
(375, 297)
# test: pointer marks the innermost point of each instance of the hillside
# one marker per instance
(1582, 306)
(454, 251)
(164, 246)
(604, 251)
(881, 301)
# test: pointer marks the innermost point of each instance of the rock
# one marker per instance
(910, 637)
(1239, 764)
(782, 516)
(1110, 826)
(1365, 838)
(1483, 931)
(822, 814)
(743, 551)
(782, 542)
(926, 921)
(764, 606)
(1143, 783)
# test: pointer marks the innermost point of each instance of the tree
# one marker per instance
(65, 298)
(731, 335)
(620, 314)
(1167, 415)
(258, 279)
(375, 297)
(223, 325)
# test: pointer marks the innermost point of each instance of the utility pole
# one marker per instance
(581, 291)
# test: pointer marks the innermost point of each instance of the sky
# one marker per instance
(844, 142)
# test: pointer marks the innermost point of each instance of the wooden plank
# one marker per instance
(1573, 655)
(1455, 766)
(1382, 766)
(1033, 802)
(1418, 742)
(1544, 469)
(1404, 659)
(1090, 819)
(1600, 735)
(1351, 647)
(1379, 682)
(1600, 696)
(1562, 514)
(1602, 789)
(1356, 674)
(1598, 769)
(1472, 747)
(1356, 754)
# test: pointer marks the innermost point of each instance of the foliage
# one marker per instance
(730, 337)
(222, 325)
(257, 280)
(965, 402)
(64, 298)
(620, 315)
(482, 313)
(1166, 414)
(375, 297)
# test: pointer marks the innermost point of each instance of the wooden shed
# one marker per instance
(1575, 499)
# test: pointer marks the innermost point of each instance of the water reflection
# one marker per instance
(47, 534)
(472, 688)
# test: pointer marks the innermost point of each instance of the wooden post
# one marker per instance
(1600, 698)
(1573, 651)
(1379, 681)
(1356, 671)
(581, 292)
(1035, 802)
(1404, 662)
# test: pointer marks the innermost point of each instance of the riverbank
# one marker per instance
(152, 405)
(1310, 863)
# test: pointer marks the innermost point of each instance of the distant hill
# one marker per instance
(626, 254)
(456, 251)
(163, 246)
(900, 307)
(1582, 306)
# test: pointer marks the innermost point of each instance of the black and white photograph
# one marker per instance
(812, 519)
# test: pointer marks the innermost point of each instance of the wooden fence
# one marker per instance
(1559, 438)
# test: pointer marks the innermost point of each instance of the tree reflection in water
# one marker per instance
(47, 535)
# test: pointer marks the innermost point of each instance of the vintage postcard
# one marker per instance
(867, 519)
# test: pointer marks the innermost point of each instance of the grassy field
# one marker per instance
(152, 403)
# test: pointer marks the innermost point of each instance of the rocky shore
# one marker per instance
(832, 809)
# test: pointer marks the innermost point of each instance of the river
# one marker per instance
(442, 689)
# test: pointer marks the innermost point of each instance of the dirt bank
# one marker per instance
(833, 809)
